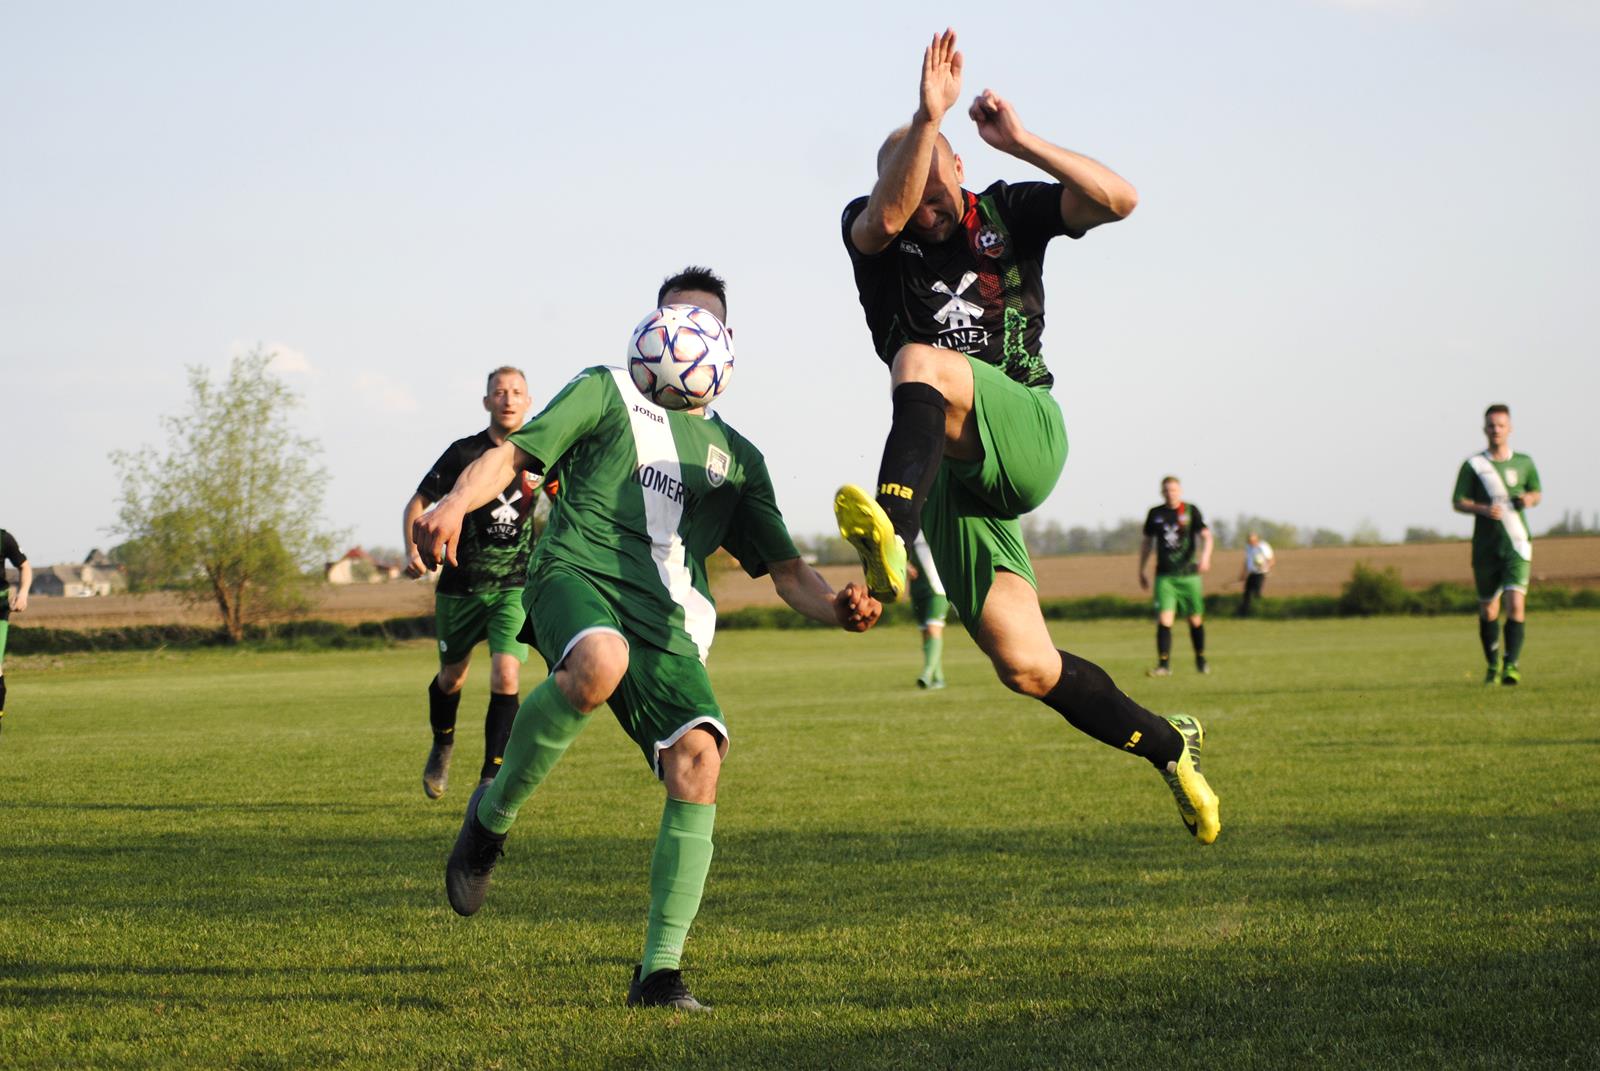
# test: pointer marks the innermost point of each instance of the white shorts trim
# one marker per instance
(661, 745)
(580, 635)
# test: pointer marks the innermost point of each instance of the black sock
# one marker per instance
(1514, 634)
(1089, 700)
(1489, 633)
(442, 712)
(1164, 643)
(497, 730)
(911, 456)
(2, 693)
(1197, 636)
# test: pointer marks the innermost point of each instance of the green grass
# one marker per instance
(218, 858)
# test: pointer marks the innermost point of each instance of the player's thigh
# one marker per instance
(662, 697)
(1165, 599)
(460, 622)
(1191, 597)
(1024, 441)
(1012, 632)
(970, 546)
(576, 629)
(504, 625)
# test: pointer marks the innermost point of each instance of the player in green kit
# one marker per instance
(481, 597)
(10, 552)
(620, 608)
(931, 606)
(1496, 487)
(951, 282)
(1178, 534)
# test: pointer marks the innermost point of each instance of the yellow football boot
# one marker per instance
(1197, 804)
(865, 526)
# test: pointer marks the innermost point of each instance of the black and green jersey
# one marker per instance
(981, 291)
(1485, 480)
(9, 552)
(495, 540)
(1175, 532)
(648, 494)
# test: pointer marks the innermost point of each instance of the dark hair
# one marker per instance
(695, 277)
(1497, 407)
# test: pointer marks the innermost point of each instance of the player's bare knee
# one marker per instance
(917, 362)
(691, 767)
(592, 670)
(453, 676)
(1028, 676)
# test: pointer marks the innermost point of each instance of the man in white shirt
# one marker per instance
(1258, 562)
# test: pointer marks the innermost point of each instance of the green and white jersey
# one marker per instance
(1485, 480)
(646, 496)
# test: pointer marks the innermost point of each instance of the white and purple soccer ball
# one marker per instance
(681, 357)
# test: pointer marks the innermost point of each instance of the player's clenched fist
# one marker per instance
(855, 609)
(436, 533)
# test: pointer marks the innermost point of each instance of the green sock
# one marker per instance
(545, 725)
(1514, 637)
(677, 878)
(932, 651)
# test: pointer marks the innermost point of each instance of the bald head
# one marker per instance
(941, 150)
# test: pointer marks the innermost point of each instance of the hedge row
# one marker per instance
(1369, 593)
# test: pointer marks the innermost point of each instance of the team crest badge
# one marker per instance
(716, 466)
(1511, 477)
(989, 242)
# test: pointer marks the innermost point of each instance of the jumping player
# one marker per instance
(951, 282)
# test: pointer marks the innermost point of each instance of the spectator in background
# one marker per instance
(1258, 562)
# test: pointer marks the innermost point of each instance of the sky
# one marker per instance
(1360, 222)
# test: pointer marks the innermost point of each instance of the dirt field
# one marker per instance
(1573, 562)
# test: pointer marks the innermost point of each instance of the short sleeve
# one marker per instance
(757, 534)
(1200, 524)
(442, 476)
(1531, 481)
(1152, 527)
(1466, 484)
(852, 212)
(1032, 210)
(577, 410)
(10, 551)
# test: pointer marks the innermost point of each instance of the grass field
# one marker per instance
(224, 859)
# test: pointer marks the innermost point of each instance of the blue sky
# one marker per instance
(1360, 223)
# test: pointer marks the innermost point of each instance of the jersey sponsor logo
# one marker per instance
(652, 414)
(717, 464)
(957, 317)
(505, 518)
(1172, 535)
(989, 242)
(910, 247)
(653, 479)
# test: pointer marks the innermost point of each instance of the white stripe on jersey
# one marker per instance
(1516, 531)
(654, 446)
(924, 555)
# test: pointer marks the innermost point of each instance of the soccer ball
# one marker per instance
(681, 357)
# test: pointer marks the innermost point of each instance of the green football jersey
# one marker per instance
(646, 496)
(1485, 480)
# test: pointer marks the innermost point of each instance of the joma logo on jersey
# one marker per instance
(653, 479)
(898, 490)
(657, 417)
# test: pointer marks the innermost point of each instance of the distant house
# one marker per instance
(359, 567)
(95, 575)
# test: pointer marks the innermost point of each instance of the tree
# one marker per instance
(229, 512)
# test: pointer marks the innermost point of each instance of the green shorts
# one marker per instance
(462, 621)
(1180, 593)
(970, 518)
(661, 697)
(1501, 573)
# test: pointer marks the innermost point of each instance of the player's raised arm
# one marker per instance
(903, 165)
(1093, 193)
(802, 587)
(437, 531)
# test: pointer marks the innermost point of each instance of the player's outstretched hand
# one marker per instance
(436, 533)
(941, 76)
(855, 609)
(998, 123)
